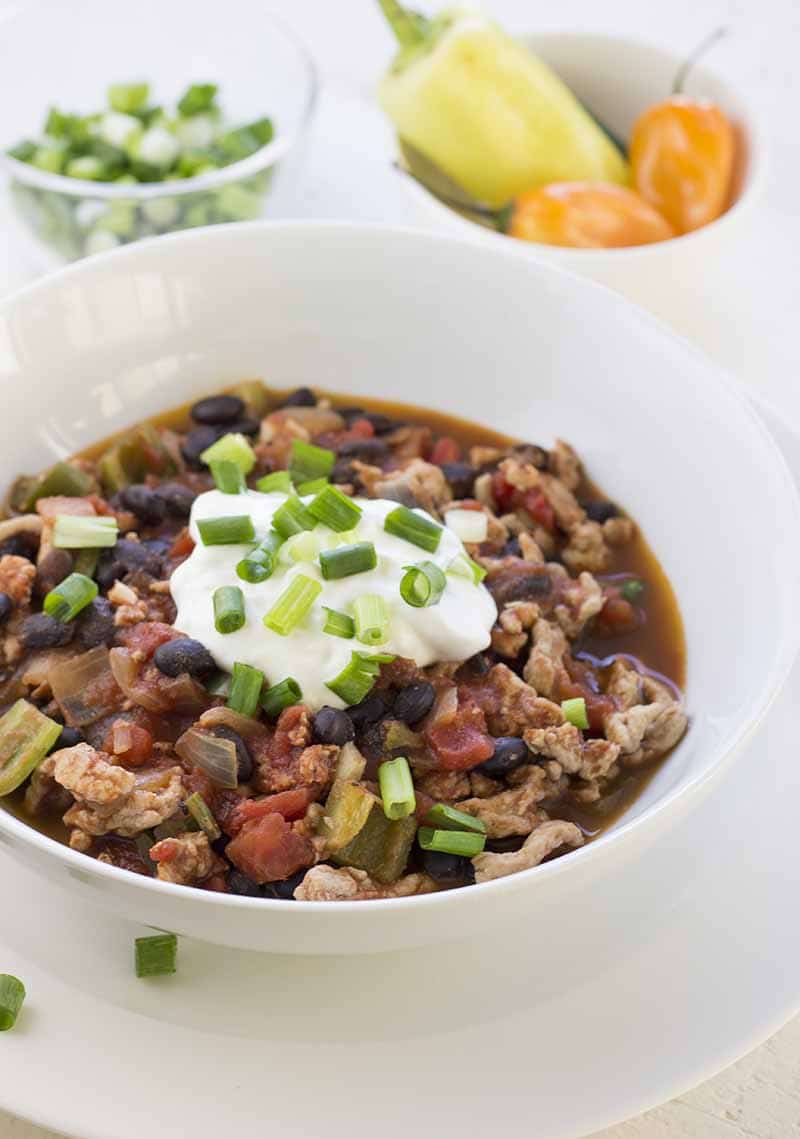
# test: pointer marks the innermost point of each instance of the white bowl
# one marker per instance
(618, 78)
(495, 337)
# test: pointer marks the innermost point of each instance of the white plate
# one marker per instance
(693, 965)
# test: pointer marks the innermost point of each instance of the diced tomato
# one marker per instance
(424, 804)
(130, 743)
(165, 851)
(147, 636)
(539, 508)
(290, 804)
(182, 546)
(197, 780)
(225, 806)
(445, 450)
(62, 504)
(100, 505)
(598, 707)
(268, 850)
(617, 615)
(502, 492)
(360, 429)
(287, 731)
(465, 742)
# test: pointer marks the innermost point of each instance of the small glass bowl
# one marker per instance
(261, 67)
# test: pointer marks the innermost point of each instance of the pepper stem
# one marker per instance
(410, 28)
(702, 49)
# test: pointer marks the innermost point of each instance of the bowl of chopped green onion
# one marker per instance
(174, 120)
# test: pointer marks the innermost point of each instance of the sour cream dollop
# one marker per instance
(454, 629)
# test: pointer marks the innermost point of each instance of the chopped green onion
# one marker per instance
(309, 462)
(128, 97)
(356, 679)
(260, 563)
(371, 619)
(312, 487)
(575, 712)
(156, 956)
(227, 531)
(76, 532)
(468, 525)
(281, 696)
(293, 605)
(444, 817)
(26, 736)
(466, 844)
(397, 788)
(334, 509)
(246, 685)
(276, 483)
(463, 565)
(292, 517)
(413, 527)
(338, 624)
(632, 589)
(199, 97)
(228, 476)
(12, 996)
(199, 810)
(85, 562)
(234, 448)
(69, 597)
(348, 560)
(422, 585)
(228, 609)
(302, 547)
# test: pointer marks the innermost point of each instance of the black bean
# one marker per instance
(446, 867)
(95, 625)
(284, 891)
(481, 664)
(343, 472)
(52, 569)
(244, 760)
(20, 545)
(461, 477)
(350, 414)
(144, 502)
(245, 887)
(127, 557)
(528, 584)
(247, 425)
(367, 450)
(184, 655)
(372, 740)
(158, 547)
(197, 441)
(69, 738)
(6, 605)
(333, 726)
(512, 548)
(301, 397)
(601, 511)
(177, 499)
(43, 632)
(533, 454)
(369, 710)
(218, 409)
(414, 702)
(509, 752)
(381, 424)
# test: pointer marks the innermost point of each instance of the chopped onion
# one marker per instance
(350, 764)
(159, 694)
(445, 709)
(126, 674)
(228, 718)
(468, 525)
(217, 757)
(84, 688)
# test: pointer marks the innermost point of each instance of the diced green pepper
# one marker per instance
(346, 811)
(23, 151)
(255, 395)
(381, 846)
(61, 479)
(199, 97)
(26, 736)
(128, 97)
(139, 453)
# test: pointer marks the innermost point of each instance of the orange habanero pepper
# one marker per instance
(586, 215)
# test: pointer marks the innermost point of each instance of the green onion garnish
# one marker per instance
(313, 487)
(334, 509)
(467, 844)
(575, 712)
(450, 818)
(281, 696)
(347, 560)
(309, 462)
(234, 448)
(371, 619)
(199, 810)
(245, 691)
(26, 736)
(302, 547)
(463, 565)
(397, 788)
(226, 531)
(276, 483)
(155, 956)
(12, 996)
(228, 609)
(356, 679)
(293, 605)
(72, 595)
(73, 532)
(632, 589)
(422, 585)
(338, 624)
(414, 527)
(227, 476)
(292, 518)
(260, 563)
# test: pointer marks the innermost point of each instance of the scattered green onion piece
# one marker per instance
(302, 547)
(464, 843)
(575, 712)
(228, 609)
(228, 476)
(293, 605)
(339, 624)
(335, 509)
(199, 810)
(199, 97)
(227, 531)
(85, 562)
(463, 565)
(348, 560)
(12, 996)
(281, 696)
(356, 679)
(414, 528)
(156, 956)
(75, 532)
(443, 817)
(468, 525)
(260, 563)
(235, 449)
(309, 462)
(68, 598)
(276, 483)
(292, 518)
(397, 788)
(371, 619)
(26, 736)
(128, 97)
(312, 487)
(632, 589)
(246, 685)
(422, 585)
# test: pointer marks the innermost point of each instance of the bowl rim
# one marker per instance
(752, 183)
(675, 802)
(261, 159)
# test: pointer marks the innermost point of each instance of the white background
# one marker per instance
(750, 325)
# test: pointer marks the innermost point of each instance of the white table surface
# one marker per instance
(751, 327)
